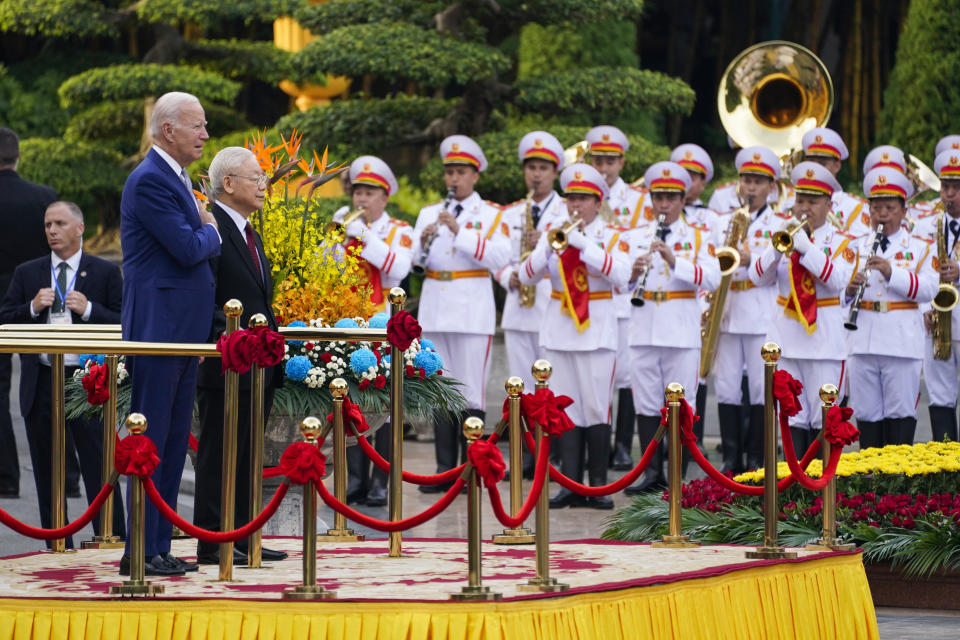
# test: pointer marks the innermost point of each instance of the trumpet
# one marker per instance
(783, 240)
(851, 323)
(558, 237)
(661, 233)
(338, 230)
(419, 267)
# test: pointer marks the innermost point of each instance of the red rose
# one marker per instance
(379, 382)
(95, 383)
(408, 371)
(308, 346)
(363, 384)
(325, 358)
(402, 329)
(421, 374)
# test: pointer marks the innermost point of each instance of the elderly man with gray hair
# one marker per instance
(242, 271)
(168, 291)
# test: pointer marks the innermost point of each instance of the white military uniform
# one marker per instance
(852, 212)
(457, 309)
(583, 362)
(521, 325)
(941, 376)
(724, 198)
(387, 245)
(817, 357)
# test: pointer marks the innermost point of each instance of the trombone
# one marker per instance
(338, 230)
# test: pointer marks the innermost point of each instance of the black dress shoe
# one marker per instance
(430, 488)
(600, 502)
(356, 497)
(174, 561)
(155, 566)
(621, 459)
(377, 496)
(73, 492)
(567, 498)
(239, 557)
(272, 554)
(646, 485)
(9, 492)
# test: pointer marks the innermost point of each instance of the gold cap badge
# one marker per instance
(757, 157)
(810, 174)
(881, 180)
(455, 147)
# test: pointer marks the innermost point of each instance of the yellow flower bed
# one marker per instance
(919, 459)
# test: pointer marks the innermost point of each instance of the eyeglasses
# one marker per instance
(260, 180)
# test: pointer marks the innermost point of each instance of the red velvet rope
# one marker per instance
(214, 536)
(64, 531)
(604, 490)
(539, 478)
(413, 478)
(269, 472)
(386, 525)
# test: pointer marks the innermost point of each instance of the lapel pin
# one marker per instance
(83, 274)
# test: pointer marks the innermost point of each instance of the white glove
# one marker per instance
(801, 242)
(355, 229)
(577, 240)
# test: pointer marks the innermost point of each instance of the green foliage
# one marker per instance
(577, 11)
(398, 51)
(922, 95)
(545, 49)
(326, 16)
(367, 126)
(212, 13)
(85, 173)
(503, 180)
(57, 18)
(121, 82)
(240, 59)
(604, 88)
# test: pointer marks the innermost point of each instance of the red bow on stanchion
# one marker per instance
(95, 383)
(686, 420)
(402, 329)
(352, 417)
(546, 409)
(302, 462)
(242, 348)
(838, 429)
(786, 390)
(136, 455)
(488, 461)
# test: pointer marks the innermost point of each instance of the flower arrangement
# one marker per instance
(76, 404)
(899, 503)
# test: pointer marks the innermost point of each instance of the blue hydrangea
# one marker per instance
(296, 343)
(386, 360)
(298, 367)
(427, 344)
(429, 361)
(379, 320)
(86, 357)
(361, 360)
(346, 323)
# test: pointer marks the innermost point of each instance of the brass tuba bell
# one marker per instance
(773, 93)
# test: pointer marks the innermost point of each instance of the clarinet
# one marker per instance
(851, 323)
(661, 233)
(420, 266)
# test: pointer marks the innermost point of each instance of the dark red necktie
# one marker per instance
(252, 246)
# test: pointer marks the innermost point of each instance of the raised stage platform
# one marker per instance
(617, 590)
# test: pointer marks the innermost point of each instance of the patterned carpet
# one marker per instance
(430, 570)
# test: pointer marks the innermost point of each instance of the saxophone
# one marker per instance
(944, 302)
(729, 258)
(527, 296)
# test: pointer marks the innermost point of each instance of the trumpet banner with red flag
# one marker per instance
(802, 305)
(576, 288)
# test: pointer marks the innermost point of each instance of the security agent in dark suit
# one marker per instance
(22, 204)
(242, 271)
(66, 286)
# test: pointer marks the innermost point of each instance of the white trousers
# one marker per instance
(736, 351)
(656, 367)
(623, 378)
(587, 377)
(523, 349)
(940, 376)
(466, 357)
(883, 386)
(812, 374)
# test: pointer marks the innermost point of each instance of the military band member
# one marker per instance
(671, 263)
(941, 375)
(808, 322)
(886, 350)
(952, 142)
(724, 198)
(747, 316)
(631, 208)
(893, 158)
(385, 248)
(541, 155)
(825, 146)
(578, 334)
(460, 242)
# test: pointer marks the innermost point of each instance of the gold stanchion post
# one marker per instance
(136, 585)
(675, 538)
(542, 370)
(474, 590)
(106, 539)
(255, 544)
(770, 352)
(397, 297)
(228, 490)
(309, 590)
(828, 540)
(520, 535)
(58, 440)
(340, 532)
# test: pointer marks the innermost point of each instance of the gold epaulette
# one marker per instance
(927, 240)
(786, 215)
(493, 204)
(399, 223)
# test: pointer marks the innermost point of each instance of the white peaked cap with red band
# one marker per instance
(373, 171)
(542, 146)
(462, 150)
(582, 178)
(694, 159)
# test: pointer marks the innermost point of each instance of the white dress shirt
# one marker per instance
(73, 265)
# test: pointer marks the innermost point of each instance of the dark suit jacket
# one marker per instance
(22, 205)
(97, 279)
(237, 277)
(167, 279)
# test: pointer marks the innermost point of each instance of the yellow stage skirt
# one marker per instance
(825, 598)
